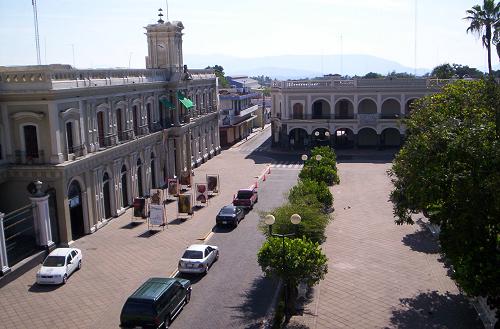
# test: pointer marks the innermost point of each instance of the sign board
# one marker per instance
(201, 190)
(185, 178)
(184, 204)
(213, 183)
(156, 196)
(173, 187)
(140, 207)
(157, 214)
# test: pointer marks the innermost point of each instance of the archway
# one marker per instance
(343, 138)
(298, 138)
(139, 178)
(106, 195)
(298, 111)
(391, 109)
(344, 109)
(390, 137)
(124, 186)
(367, 137)
(367, 106)
(320, 137)
(76, 210)
(409, 106)
(321, 109)
(153, 171)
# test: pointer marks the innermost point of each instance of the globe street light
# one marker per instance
(295, 220)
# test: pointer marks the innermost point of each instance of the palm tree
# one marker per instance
(484, 21)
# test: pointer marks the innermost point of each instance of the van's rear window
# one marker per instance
(245, 194)
(137, 308)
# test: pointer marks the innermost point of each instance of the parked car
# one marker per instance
(246, 198)
(59, 265)
(156, 303)
(230, 215)
(198, 258)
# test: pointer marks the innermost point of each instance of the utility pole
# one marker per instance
(37, 37)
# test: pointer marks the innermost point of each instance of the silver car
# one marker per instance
(198, 258)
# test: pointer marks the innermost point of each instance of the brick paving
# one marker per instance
(380, 275)
(118, 258)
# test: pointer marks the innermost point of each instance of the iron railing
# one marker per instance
(29, 157)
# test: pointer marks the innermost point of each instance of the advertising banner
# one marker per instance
(157, 214)
(213, 183)
(156, 196)
(184, 204)
(140, 207)
(173, 187)
(201, 192)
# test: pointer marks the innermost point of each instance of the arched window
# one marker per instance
(30, 142)
(69, 137)
(148, 114)
(135, 120)
(119, 125)
(298, 111)
(100, 128)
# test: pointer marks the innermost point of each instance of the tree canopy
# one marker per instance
(219, 72)
(449, 169)
(447, 71)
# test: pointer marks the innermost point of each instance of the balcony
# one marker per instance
(107, 141)
(76, 151)
(125, 135)
(143, 130)
(29, 158)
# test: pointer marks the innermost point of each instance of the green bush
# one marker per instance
(324, 170)
(306, 188)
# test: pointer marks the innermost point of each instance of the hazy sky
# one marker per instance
(107, 33)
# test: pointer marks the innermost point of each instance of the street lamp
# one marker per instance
(295, 219)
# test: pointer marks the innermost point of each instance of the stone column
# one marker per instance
(179, 166)
(176, 111)
(83, 132)
(4, 265)
(41, 215)
(55, 155)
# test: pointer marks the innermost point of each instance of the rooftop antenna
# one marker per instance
(37, 37)
(415, 46)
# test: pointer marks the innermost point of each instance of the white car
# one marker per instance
(198, 258)
(59, 265)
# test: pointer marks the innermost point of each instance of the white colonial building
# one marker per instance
(344, 113)
(99, 138)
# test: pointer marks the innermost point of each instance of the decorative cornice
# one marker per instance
(25, 115)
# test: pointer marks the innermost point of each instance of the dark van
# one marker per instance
(155, 303)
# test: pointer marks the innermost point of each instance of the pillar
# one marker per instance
(41, 215)
(4, 265)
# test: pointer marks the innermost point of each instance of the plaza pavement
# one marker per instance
(380, 275)
(118, 258)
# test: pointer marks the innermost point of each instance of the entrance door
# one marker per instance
(119, 125)
(30, 142)
(69, 137)
(100, 128)
(76, 210)
(106, 195)
(135, 120)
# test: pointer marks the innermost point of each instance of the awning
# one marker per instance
(167, 103)
(184, 100)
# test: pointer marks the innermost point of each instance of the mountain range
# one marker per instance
(300, 66)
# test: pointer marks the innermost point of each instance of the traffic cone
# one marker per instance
(264, 178)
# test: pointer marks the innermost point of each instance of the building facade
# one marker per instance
(237, 114)
(99, 138)
(344, 113)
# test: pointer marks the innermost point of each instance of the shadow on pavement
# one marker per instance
(194, 278)
(223, 229)
(131, 225)
(421, 241)
(435, 310)
(178, 221)
(148, 233)
(38, 288)
(256, 302)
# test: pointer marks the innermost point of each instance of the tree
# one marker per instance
(300, 260)
(449, 169)
(443, 71)
(484, 21)
(313, 220)
(219, 72)
(373, 75)
(324, 170)
(400, 75)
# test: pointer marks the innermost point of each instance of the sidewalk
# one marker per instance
(380, 275)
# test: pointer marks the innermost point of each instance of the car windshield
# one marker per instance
(54, 261)
(227, 211)
(136, 308)
(193, 254)
(245, 194)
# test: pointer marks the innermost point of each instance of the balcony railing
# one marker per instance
(107, 141)
(76, 150)
(125, 135)
(360, 116)
(29, 158)
(143, 130)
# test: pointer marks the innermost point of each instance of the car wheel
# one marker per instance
(166, 322)
(65, 279)
(188, 297)
(79, 264)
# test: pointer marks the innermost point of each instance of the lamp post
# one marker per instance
(269, 220)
